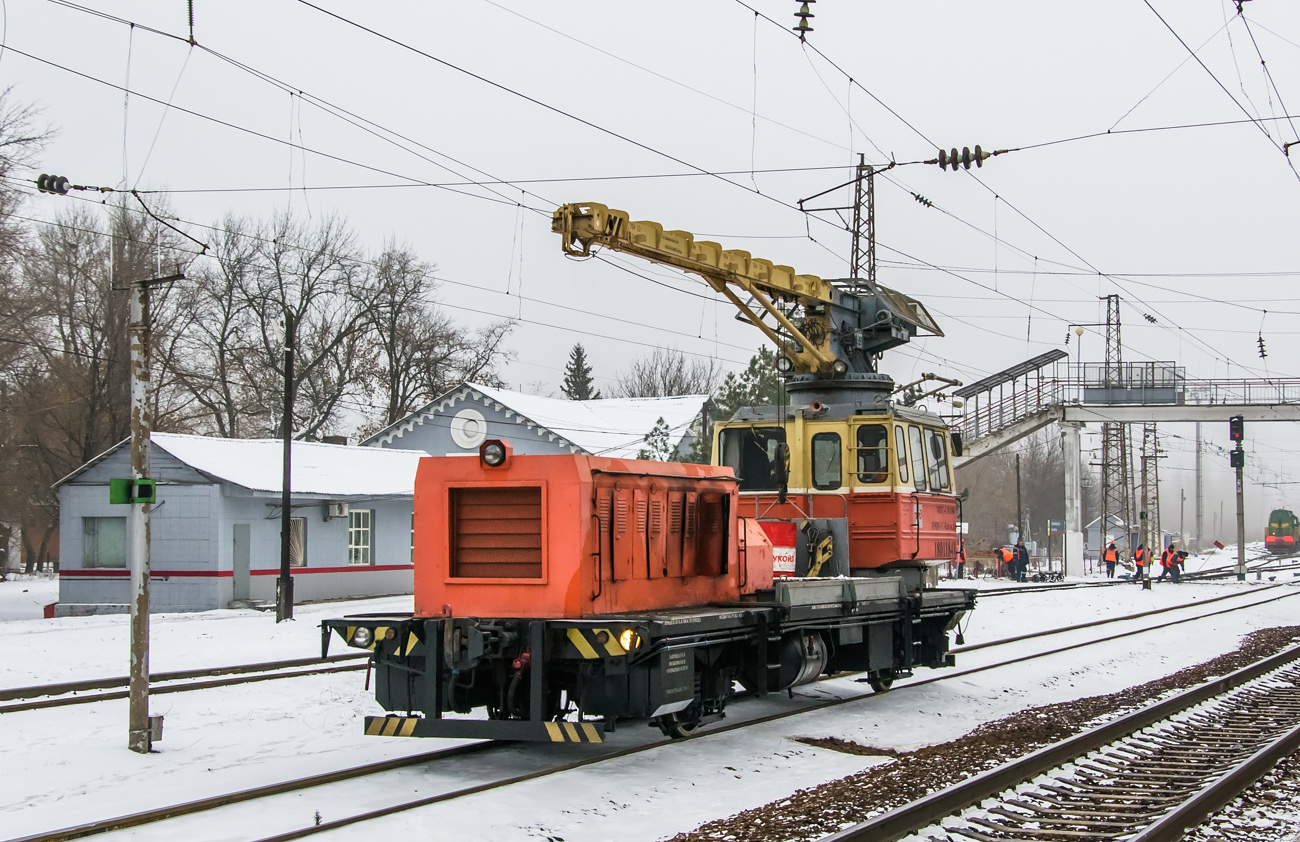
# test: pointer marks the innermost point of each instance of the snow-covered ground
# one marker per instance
(69, 765)
(25, 596)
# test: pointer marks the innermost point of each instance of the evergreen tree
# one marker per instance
(659, 443)
(758, 385)
(578, 382)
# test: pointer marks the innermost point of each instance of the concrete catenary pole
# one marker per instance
(138, 520)
(284, 589)
(1200, 493)
(138, 730)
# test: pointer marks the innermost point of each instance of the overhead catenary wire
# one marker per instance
(700, 170)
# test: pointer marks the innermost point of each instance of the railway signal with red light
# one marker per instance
(1236, 427)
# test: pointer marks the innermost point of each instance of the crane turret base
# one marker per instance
(869, 390)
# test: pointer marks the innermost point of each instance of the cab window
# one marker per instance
(938, 460)
(918, 457)
(826, 451)
(751, 453)
(873, 453)
(900, 446)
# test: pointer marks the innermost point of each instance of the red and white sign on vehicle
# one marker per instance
(783, 536)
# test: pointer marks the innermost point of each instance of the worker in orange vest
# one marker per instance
(1170, 560)
(1111, 557)
(1006, 560)
(961, 560)
(1140, 558)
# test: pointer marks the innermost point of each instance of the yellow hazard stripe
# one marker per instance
(572, 731)
(410, 643)
(579, 642)
(593, 736)
(391, 726)
(553, 729)
(612, 645)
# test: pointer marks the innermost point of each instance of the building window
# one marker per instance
(826, 461)
(297, 542)
(103, 542)
(360, 532)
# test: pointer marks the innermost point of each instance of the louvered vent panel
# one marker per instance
(496, 533)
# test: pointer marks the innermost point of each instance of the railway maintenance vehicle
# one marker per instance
(559, 596)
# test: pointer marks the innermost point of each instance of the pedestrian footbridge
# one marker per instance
(1048, 389)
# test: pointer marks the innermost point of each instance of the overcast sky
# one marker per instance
(1191, 226)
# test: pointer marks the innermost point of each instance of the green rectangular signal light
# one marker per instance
(128, 491)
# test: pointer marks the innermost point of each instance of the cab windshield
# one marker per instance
(752, 453)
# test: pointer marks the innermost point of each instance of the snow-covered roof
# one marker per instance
(257, 464)
(613, 427)
(606, 427)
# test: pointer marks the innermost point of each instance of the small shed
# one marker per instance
(456, 423)
(215, 529)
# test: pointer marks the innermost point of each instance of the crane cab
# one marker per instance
(864, 492)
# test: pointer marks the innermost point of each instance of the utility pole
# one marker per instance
(1144, 522)
(140, 733)
(1182, 516)
(1200, 493)
(284, 586)
(1020, 512)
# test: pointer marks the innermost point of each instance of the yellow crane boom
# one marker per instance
(838, 331)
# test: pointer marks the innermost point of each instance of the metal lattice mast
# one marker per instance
(1151, 487)
(1115, 499)
(862, 258)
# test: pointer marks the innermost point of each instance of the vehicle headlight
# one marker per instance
(362, 637)
(494, 453)
(629, 639)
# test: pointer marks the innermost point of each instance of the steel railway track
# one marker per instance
(1145, 777)
(252, 794)
(41, 696)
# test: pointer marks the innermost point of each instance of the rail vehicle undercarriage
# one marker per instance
(676, 668)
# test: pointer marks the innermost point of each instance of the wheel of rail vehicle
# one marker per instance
(881, 680)
(681, 724)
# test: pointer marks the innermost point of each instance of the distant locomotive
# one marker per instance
(557, 595)
(1282, 533)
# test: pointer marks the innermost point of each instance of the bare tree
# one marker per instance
(67, 392)
(422, 352)
(666, 372)
(215, 362)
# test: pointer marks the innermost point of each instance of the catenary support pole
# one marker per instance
(1145, 532)
(138, 521)
(1020, 511)
(139, 736)
(1200, 493)
(284, 587)
(1071, 452)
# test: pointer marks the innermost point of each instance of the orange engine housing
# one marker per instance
(886, 529)
(576, 536)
